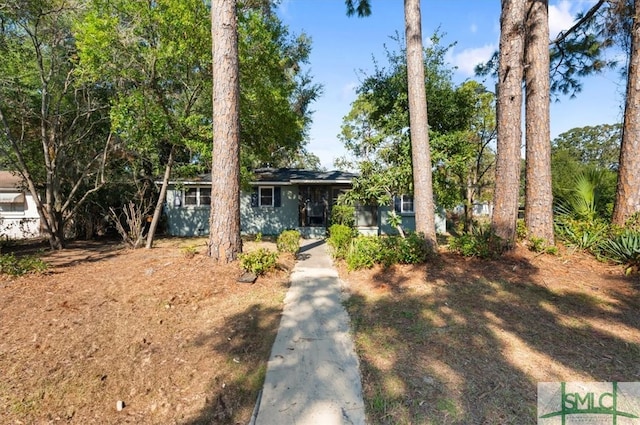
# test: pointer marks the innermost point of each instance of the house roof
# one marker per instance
(9, 181)
(284, 176)
(300, 176)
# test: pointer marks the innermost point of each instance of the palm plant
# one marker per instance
(580, 209)
(585, 200)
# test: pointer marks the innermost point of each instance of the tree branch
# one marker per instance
(564, 34)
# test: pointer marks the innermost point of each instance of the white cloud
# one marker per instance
(561, 17)
(467, 59)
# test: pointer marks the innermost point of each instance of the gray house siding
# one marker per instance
(408, 221)
(193, 220)
(270, 220)
(279, 200)
(185, 220)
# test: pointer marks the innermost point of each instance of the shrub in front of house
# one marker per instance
(340, 239)
(344, 215)
(288, 241)
(390, 250)
(413, 249)
(364, 253)
(259, 261)
(481, 242)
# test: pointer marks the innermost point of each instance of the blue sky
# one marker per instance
(343, 48)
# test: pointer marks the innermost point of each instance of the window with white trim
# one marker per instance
(197, 196)
(266, 196)
(406, 204)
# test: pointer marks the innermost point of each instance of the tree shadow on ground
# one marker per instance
(469, 341)
(75, 252)
(245, 339)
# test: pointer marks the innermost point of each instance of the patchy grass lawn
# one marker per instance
(173, 336)
(465, 341)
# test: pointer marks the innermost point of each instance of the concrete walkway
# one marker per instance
(313, 374)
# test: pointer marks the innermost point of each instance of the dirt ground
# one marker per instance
(176, 339)
(465, 341)
(179, 341)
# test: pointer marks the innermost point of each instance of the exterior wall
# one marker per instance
(270, 220)
(185, 220)
(408, 221)
(20, 222)
(191, 220)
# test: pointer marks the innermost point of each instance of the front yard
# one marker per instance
(465, 341)
(179, 341)
(176, 339)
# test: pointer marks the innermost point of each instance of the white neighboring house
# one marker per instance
(19, 217)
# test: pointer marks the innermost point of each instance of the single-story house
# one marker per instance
(19, 217)
(282, 199)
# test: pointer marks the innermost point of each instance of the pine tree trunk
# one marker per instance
(538, 213)
(628, 189)
(224, 240)
(509, 120)
(419, 127)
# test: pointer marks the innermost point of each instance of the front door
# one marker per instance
(314, 206)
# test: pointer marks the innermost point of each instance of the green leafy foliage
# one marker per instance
(595, 146)
(189, 251)
(587, 198)
(623, 248)
(18, 266)
(633, 222)
(413, 249)
(585, 235)
(340, 237)
(398, 250)
(521, 230)
(54, 126)
(462, 127)
(537, 244)
(363, 253)
(583, 164)
(481, 242)
(259, 261)
(344, 215)
(366, 251)
(288, 241)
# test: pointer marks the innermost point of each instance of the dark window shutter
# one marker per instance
(254, 197)
(277, 197)
(397, 204)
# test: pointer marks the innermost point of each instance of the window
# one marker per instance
(12, 202)
(205, 196)
(266, 196)
(197, 196)
(403, 204)
(191, 196)
(406, 204)
(366, 215)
